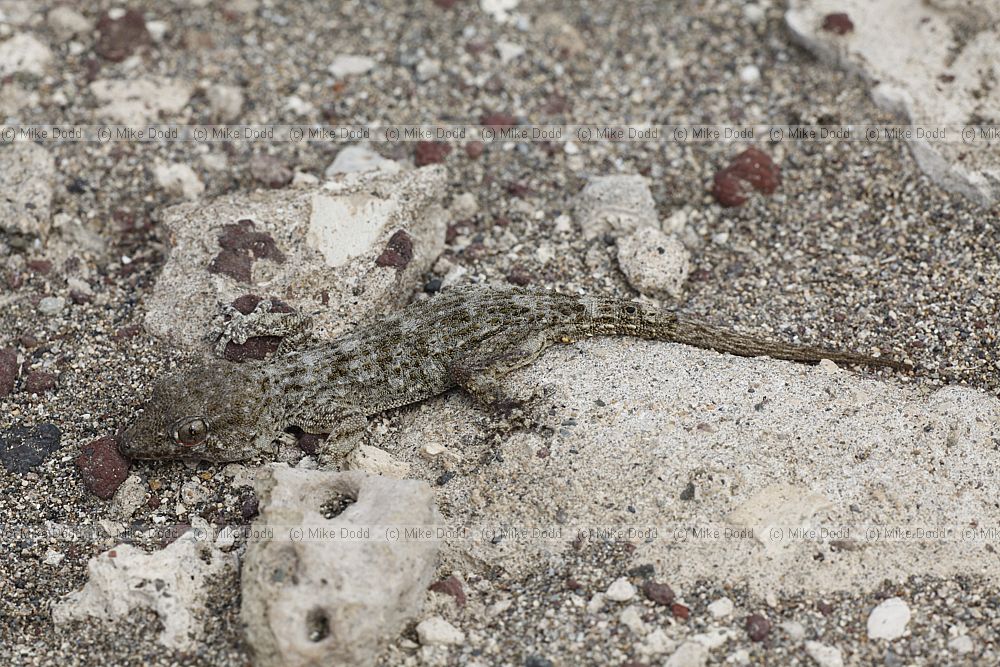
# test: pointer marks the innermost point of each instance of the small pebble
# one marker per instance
(620, 590)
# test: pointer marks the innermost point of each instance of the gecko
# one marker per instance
(470, 337)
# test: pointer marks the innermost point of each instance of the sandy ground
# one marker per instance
(857, 247)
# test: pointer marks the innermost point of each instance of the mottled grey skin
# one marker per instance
(468, 337)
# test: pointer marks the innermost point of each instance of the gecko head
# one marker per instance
(210, 412)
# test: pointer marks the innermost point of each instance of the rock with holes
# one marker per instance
(176, 582)
(330, 571)
(615, 204)
(357, 244)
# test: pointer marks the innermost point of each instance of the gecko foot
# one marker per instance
(234, 326)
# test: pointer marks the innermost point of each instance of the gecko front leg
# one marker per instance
(231, 325)
(343, 421)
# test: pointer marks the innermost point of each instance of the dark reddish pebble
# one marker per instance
(729, 190)
(430, 152)
(476, 46)
(519, 277)
(170, 534)
(824, 607)
(445, 4)
(119, 38)
(680, 611)
(573, 584)
(233, 263)
(243, 236)
(153, 502)
(129, 331)
(658, 593)
(398, 251)
(497, 119)
(758, 169)
(750, 170)
(8, 370)
(838, 23)
(757, 627)
(518, 189)
(542, 453)
(79, 298)
(249, 507)
(474, 149)
(102, 466)
(39, 382)
(28, 341)
(450, 586)
(42, 266)
(309, 442)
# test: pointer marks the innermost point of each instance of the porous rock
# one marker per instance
(655, 263)
(616, 204)
(175, 582)
(324, 600)
(325, 242)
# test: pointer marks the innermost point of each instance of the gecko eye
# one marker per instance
(630, 310)
(191, 432)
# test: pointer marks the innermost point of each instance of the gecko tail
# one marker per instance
(700, 334)
(628, 318)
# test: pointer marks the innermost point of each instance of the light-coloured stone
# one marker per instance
(689, 654)
(824, 655)
(175, 582)
(329, 591)
(499, 9)
(794, 630)
(774, 513)
(620, 590)
(712, 639)
(359, 158)
(617, 204)
(961, 644)
(226, 102)
(889, 619)
(24, 54)
(329, 238)
(508, 51)
(26, 189)
(375, 461)
(654, 417)
(654, 263)
(435, 631)
(656, 643)
(750, 75)
(67, 22)
(632, 619)
(130, 496)
(350, 65)
(721, 608)
(178, 180)
(51, 305)
(934, 40)
(139, 101)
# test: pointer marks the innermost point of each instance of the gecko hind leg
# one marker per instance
(483, 376)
